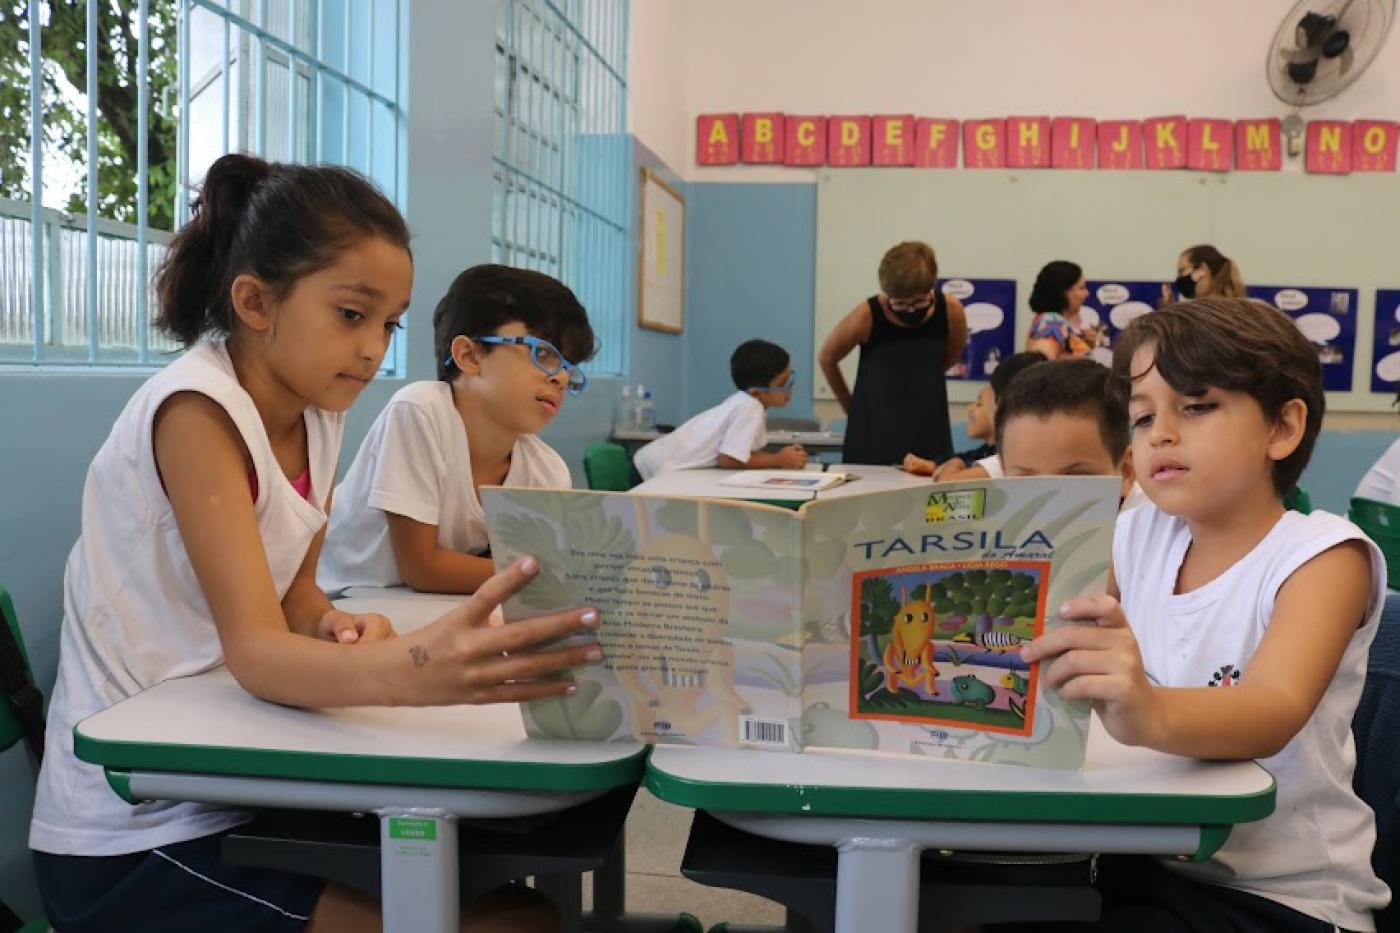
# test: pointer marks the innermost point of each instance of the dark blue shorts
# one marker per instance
(180, 887)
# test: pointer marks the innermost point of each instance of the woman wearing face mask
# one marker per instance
(1057, 329)
(1203, 271)
(908, 334)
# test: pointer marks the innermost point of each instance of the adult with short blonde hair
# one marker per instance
(908, 334)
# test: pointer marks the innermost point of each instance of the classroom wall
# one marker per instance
(1095, 58)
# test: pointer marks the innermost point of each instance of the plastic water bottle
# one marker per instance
(625, 418)
(638, 424)
(646, 412)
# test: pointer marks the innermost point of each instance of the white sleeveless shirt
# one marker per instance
(1313, 853)
(133, 611)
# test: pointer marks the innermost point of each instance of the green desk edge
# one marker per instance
(121, 758)
(1214, 815)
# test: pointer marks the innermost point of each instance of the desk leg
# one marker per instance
(418, 870)
(877, 886)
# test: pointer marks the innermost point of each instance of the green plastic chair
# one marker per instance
(1381, 522)
(12, 724)
(1298, 500)
(607, 467)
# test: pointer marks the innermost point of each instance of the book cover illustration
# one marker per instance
(886, 622)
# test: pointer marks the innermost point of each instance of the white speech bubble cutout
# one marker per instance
(983, 315)
(1319, 328)
(1112, 294)
(1389, 368)
(1290, 299)
(1088, 317)
(1397, 314)
(960, 289)
(1127, 312)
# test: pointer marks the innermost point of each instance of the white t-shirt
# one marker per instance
(734, 427)
(1379, 482)
(415, 462)
(134, 614)
(992, 465)
(1313, 854)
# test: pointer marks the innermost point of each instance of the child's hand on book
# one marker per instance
(917, 465)
(792, 457)
(462, 658)
(1101, 662)
(948, 467)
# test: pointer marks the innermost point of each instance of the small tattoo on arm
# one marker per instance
(419, 655)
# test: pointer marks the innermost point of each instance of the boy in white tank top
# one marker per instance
(1233, 629)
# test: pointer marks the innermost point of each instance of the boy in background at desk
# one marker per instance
(981, 426)
(1215, 585)
(732, 435)
(1060, 420)
(508, 344)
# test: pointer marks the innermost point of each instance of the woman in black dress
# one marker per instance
(908, 335)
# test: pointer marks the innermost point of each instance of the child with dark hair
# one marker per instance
(203, 514)
(981, 426)
(732, 435)
(509, 343)
(1057, 298)
(1060, 420)
(1215, 584)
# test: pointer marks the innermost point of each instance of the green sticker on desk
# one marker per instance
(404, 828)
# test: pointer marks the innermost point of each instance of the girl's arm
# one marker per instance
(957, 332)
(429, 568)
(1316, 612)
(309, 612)
(203, 464)
(852, 331)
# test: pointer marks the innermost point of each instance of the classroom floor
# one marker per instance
(656, 836)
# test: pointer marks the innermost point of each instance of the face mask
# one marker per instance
(911, 317)
(1186, 286)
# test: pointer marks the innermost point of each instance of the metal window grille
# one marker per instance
(290, 80)
(563, 160)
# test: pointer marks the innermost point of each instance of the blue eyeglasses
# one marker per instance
(792, 377)
(545, 356)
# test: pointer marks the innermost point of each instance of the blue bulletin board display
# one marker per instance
(1112, 305)
(991, 324)
(1327, 317)
(1385, 345)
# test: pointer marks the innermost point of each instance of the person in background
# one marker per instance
(732, 435)
(981, 426)
(1057, 297)
(909, 335)
(1203, 272)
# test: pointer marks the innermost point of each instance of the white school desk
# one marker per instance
(816, 440)
(706, 484)
(206, 739)
(881, 812)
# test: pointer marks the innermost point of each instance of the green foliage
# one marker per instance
(878, 604)
(63, 46)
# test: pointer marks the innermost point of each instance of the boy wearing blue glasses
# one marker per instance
(732, 435)
(508, 345)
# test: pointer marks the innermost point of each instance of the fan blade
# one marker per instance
(1347, 58)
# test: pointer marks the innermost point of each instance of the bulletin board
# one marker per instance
(661, 248)
(1307, 233)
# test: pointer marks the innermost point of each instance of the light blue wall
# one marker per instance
(750, 269)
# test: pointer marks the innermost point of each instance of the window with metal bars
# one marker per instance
(110, 112)
(562, 165)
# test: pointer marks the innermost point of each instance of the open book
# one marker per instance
(786, 480)
(891, 621)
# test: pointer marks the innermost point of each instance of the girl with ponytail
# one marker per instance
(1204, 272)
(202, 520)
